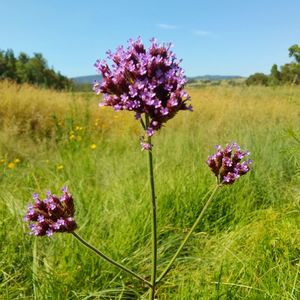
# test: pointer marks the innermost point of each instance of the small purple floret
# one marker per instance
(227, 163)
(52, 214)
(146, 146)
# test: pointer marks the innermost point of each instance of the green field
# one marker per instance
(248, 243)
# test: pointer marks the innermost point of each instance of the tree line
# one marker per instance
(287, 74)
(32, 70)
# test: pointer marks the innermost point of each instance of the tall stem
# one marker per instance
(154, 229)
(102, 255)
(168, 267)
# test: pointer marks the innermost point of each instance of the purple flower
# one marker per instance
(150, 131)
(137, 116)
(52, 214)
(146, 146)
(148, 81)
(226, 163)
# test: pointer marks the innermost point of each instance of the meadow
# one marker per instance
(248, 243)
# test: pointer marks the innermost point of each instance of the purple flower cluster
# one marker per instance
(52, 214)
(227, 163)
(144, 80)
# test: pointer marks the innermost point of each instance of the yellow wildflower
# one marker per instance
(59, 167)
(11, 165)
(17, 161)
(2, 161)
(72, 137)
(93, 146)
(78, 128)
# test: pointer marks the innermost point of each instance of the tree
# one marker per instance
(33, 70)
(2, 64)
(294, 51)
(275, 75)
(290, 73)
(36, 69)
(10, 65)
(22, 68)
(257, 79)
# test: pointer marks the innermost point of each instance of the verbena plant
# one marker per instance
(151, 83)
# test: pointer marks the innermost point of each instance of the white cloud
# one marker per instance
(167, 26)
(201, 32)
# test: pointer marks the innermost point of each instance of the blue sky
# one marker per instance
(226, 37)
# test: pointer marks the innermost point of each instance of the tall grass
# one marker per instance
(246, 247)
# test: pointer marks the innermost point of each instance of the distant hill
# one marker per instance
(86, 79)
(214, 77)
(91, 78)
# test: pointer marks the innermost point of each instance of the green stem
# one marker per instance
(154, 229)
(168, 267)
(118, 265)
(143, 124)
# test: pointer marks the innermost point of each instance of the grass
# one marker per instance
(247, 245)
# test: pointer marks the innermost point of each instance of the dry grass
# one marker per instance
(247, 246)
